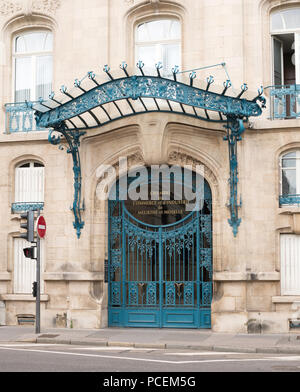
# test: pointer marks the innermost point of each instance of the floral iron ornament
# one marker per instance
(80, 112)
(73, 140)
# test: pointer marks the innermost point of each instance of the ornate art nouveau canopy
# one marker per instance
(94, 102)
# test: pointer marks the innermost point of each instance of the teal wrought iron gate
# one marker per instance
(160, 275)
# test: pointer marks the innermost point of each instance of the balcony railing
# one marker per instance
(285, 101)
(20, 118)
(24, 207)
(289, 200)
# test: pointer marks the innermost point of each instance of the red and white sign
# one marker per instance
(41, 226)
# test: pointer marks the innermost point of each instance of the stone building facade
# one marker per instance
(255, 275)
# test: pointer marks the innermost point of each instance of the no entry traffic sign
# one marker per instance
(41, 226)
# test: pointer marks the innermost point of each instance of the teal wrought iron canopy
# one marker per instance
(94, 102)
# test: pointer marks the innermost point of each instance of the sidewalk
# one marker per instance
(158, 338)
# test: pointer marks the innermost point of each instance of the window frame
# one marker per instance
(288, 259)
(159, 44)
(33, 56)
(31, 166)
(274, 35)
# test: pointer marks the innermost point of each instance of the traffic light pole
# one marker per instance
(38, 280)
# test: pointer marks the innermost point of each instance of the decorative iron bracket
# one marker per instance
(73, 140)
(235, 129)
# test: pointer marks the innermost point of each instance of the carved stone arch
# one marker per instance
(23, 159)
(181, 157)
(142, 11)
(270, 5)
(134, 158)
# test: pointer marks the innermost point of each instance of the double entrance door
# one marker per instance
(160, 275)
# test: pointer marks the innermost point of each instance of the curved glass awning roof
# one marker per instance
(99, 99)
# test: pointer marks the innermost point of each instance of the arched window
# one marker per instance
(290, 173)
(29, 183)
(159, 41)
(29, 194)
(285, 31)
(32, 55)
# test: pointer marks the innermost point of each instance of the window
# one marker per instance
(290, 171)
(32, 54)
(29, 183)
(159, 41)
(285, 30)
(25, 269)
(290, 264)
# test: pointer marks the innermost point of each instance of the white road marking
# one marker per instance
(291, 358)
(146, 359)
(28, 345)
(114, 348)
(206, 353)
(74, 347)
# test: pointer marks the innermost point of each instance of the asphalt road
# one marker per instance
(69, 358)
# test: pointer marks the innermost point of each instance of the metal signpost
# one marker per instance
(41, 231)
(30, 253)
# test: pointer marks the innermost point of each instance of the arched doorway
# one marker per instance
(160, 258)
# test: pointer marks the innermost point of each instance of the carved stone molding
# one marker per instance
(28, 7)
(46, 6)
(177, 157)
(133, 160)
(133, 2)
(9, 7)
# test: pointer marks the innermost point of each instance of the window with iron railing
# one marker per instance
(32, 63)
(285, 92)
(290, 178)
(29, 187)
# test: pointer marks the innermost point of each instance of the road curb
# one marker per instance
(120, 344)
(150, 345)
(98, 343)
(162, 346)
(54, 341)
(234, 349)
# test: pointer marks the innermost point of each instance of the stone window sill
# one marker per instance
(22, 297)
(286, 299)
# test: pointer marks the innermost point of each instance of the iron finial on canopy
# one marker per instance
(124, 66)
(158, 67)
(175, 71)
(140, 66)
(106, 69)
(226, 85)
(193, 76)
(210, 80)
(244, 88)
